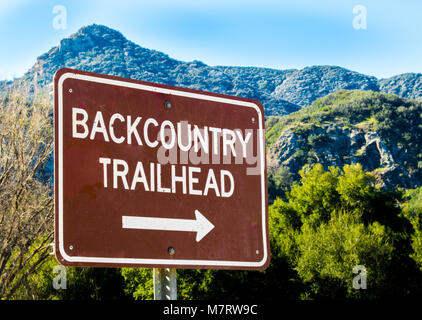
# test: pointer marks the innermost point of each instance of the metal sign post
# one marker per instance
(165, 284)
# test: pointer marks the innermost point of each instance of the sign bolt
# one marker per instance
(167, 104)
(171, 251)
(71, 247)
(70, 90)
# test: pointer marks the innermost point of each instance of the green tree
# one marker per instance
(138, 283)
(413, 212)
(316, 196)
(280, 181)
(337, 219)
(328, 254)
(329, 223)
(82, 283)
(93, 284)
(26, 202)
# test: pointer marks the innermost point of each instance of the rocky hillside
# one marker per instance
(100, 49)
(381, 131)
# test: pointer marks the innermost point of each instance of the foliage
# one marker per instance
(219, 284)
(26, 203)
(330, 222)
(337, 219)
(279, 182)
(413, 211)
(93, 284)
(38, 284)
(328, 253)
(80, 283)
(138, 283)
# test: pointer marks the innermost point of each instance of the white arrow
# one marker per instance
(200, 225)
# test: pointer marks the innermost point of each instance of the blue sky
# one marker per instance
(265, 33)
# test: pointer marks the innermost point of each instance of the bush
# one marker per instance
(26, 202)
(336, 220)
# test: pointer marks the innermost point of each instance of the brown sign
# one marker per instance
(157, 176)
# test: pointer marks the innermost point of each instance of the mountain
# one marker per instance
(382, 132)
(407, 85)
(302, 87)
(100, 49)
(324, 114)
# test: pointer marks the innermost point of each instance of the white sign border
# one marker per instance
(144, 261)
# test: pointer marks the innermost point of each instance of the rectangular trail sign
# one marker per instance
(148, 175)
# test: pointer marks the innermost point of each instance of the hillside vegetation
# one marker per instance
(382, 132)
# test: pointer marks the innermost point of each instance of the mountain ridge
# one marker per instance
(318, 114)
(100, 49)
